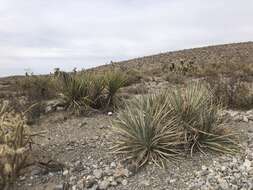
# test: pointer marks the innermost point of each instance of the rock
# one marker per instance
(247, 164)
(245, 119)
(104, 184)
(65, 172)
(90, 181)
(121, 172)
(145, 182)
(124, 182)
(98, 173)
(48, 109)
(109, 113)
(238, 118)
(113, 165)
(58, 187)
(223, 184)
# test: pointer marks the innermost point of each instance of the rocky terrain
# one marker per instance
(81, 160)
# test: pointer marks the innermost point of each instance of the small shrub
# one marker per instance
(232, 92)
(165, 126)
(83, 91)
(133, 77)
(15, 146)
(146, 132)
(114, 81)
(75, 91)
(197, 115)
(175, 78)
(37, 87)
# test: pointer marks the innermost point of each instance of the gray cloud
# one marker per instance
(41, 35)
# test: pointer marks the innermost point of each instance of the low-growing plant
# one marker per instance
(83, 91)
(147, 132)
(75, 91)
(36, 87)
(197, 114)
(175, 78)
(178, 121)
(114, 81)
(232, 92)
(133, 77)
(15, 146)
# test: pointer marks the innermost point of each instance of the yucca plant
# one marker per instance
(97, 91)
(114, 81)
(75, 91)
(15, 146)
(147, 132)
(197, 115)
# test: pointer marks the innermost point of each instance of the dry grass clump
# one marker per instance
(232, 92)
(37, 87)
(226, 69)
(164, 126)
(83, 91)
(15, 146)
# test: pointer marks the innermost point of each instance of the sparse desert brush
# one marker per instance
(232, 92)
(147, 132)
(75, 91)
(170, 124)
(175, 78)
(133, 76)
(197, 114)
(83, 91)
(114, 81)
(15, 146)
(37, 87)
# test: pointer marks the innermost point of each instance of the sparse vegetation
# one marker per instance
(154, 128)
(82, 91)
(15, 146)
(232, 92)
(114, 81)
(37, 88)
(147, 132)
(197, 115)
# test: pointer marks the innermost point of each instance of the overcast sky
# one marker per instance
(39, 35)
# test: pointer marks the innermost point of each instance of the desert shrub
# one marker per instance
(227, 69)
(133, 77)
(175, 78)
(83, 91)
(140, 88)
(75, 91)
(197, 114)
(114, 81)
(36, 87)
(232, 92)
(15, 146)
(147, 132)
(176, 122)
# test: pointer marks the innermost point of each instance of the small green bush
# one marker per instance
(232, 92)
(37, 88)
(146, 132)
(114, 81)
(83, 91)
(197, 114)
(165, 126)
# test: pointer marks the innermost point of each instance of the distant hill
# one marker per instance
(219, 54)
